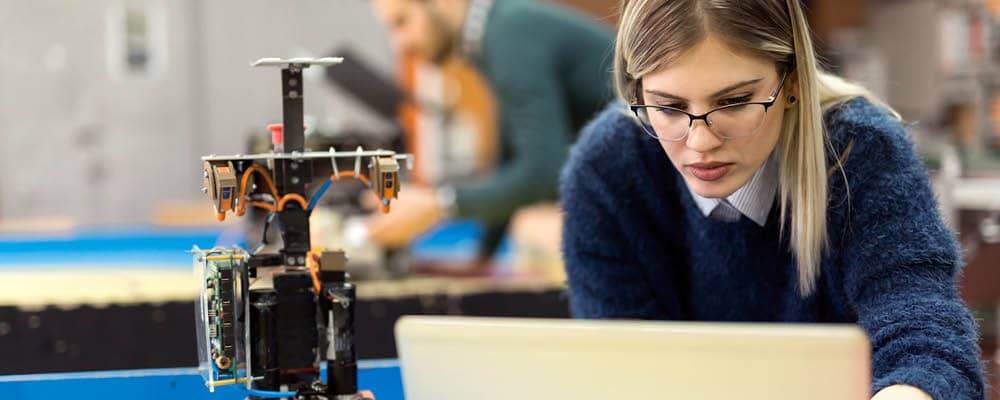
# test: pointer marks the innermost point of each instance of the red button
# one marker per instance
(277, 133)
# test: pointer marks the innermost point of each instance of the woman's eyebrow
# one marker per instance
(719, 93)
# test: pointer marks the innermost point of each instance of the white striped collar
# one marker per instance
(754, 199)
(476, 16)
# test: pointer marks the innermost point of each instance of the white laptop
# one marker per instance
(459, 358)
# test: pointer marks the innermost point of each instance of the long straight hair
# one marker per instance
(654, 33)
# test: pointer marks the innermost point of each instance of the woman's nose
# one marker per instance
(701, 138)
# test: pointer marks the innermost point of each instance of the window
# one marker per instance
(136, 39)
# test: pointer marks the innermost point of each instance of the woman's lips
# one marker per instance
(709, 171)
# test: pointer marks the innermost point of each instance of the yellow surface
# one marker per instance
(70, 287)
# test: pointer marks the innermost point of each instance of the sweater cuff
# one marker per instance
(940, 385)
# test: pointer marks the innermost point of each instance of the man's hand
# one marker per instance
(415, 211)
(901, 392)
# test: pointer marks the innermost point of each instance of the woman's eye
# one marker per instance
(734, 100)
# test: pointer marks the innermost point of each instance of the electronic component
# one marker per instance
(219, 307)
(268, 320)
(220, 185)
(385, 173)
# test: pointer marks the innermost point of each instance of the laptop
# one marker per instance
(461, 358)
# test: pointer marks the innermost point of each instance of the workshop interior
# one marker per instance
(188, 191)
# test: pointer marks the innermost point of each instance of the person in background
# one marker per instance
(548, 68)
(741, 182)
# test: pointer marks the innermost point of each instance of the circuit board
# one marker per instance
(220, 329)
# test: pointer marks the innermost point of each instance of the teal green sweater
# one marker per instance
(549, 68)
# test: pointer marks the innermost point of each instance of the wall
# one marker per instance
(84, 140)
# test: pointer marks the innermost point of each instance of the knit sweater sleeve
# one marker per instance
(901, 264)
(535, 123)
(605, 278)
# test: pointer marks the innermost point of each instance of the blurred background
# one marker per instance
(107, 105)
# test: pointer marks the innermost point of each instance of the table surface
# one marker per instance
(382, 377)
(151, 264)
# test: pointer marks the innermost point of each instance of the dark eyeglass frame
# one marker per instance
(704, 117)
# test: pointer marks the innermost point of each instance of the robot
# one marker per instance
(271, 322)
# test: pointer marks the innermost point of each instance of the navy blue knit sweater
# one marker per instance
(637, 246)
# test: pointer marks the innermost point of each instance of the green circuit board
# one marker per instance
(219, 305)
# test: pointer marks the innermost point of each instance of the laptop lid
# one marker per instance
(458, 358)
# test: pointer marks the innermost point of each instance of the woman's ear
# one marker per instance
(791, 91)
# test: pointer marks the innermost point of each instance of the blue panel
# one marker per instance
(157, 247)
(454, 241)
(141, 245)
(381, 377)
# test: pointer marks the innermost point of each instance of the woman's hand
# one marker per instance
(901, 392)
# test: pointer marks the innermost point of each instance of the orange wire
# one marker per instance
(312, 271)
(351, 174)
(292, 196)
(241, 208)
(245, 182)
(264, 205)
(267, 178)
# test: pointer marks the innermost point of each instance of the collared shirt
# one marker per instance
(474, 28)
(753, 200)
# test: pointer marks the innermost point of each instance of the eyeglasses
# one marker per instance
(727, 122)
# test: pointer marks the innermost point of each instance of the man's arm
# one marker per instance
(536, 127)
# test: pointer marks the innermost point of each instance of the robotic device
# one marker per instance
(268, 321)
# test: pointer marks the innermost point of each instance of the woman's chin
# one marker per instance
(714, 189)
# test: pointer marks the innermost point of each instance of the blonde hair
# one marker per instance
(654, 33)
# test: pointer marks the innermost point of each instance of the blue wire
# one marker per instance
(264, 394)
(319, 193)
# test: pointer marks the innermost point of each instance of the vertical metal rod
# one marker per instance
(292, 108)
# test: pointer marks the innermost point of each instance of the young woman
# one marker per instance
(740, 182)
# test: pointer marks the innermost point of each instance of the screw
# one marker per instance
(204, 174)
(293, 94)
(293, 82)
(295, 180)
(204, 190)
(302, 260)
(295, 166)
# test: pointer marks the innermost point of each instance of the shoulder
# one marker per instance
(516, 19)
(866, 128)
(607, 139)
(514, 24)
(882, 172)
(869, 143)
(525, 13)
(612, 151)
